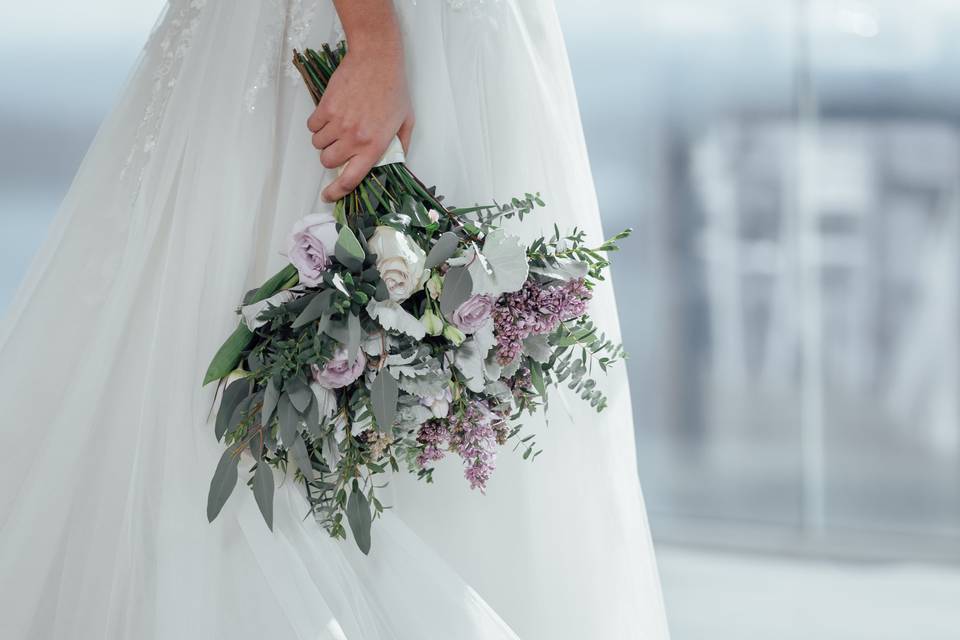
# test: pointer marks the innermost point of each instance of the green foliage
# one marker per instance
(336, 443)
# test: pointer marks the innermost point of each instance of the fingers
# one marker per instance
(406, 130)
(336, 154)
(324, 137)
(354, 172)
(318, 118)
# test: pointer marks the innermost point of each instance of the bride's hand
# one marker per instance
(365, 105)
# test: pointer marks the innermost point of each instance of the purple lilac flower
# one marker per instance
(474, 435)
(535, 310)
(435, 438)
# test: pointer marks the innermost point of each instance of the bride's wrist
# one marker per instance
(380, 41)
(370, 26)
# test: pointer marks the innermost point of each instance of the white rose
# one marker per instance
(400, 262)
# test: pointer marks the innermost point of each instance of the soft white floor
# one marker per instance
(720, 596)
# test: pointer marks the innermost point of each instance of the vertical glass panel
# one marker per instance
(888, 204)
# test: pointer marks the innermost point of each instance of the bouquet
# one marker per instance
(402, 331)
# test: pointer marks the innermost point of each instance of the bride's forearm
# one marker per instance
(369, 24)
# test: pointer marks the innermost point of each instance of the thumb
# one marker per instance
(406, 130)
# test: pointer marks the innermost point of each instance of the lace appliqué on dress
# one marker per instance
(288, 31)
(175, 32)
(474, 7)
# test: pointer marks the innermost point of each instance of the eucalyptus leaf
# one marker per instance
(359, 518)
(239, 413)
(317, 307)
(457, 288)
(289, 419)
(232, 396)
(348, 250)
(353, 337)
(223, 482)
(563, 270)
(263, 491)
(312, 417)
(270, 397)
(445, 247)
(536, 379)
(299, 393)
(384, 393)
(298, 451)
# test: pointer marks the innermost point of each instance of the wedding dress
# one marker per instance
(185, 200)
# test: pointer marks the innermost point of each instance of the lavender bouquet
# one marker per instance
(402, 331)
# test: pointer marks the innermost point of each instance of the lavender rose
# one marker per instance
(312, 243)
(400, 262)
(470, 316)
(338, 371)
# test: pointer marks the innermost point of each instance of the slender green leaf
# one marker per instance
(274, 284)
(289, 419)
(359, 518)
(263, 491)
(536, 378)
(384, 393)
(270, 397)
(240, 413)
(299, 393)
(348, 250)
(353, 337)
(318, 305)
(229, 355)
(223, 482)
(298, 451)
(232, 396)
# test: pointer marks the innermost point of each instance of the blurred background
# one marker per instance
(790, 299)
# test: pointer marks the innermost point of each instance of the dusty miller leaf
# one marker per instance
(503, 267)
(538, 348)
(393, 317)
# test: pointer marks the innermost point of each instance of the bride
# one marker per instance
(183, 201)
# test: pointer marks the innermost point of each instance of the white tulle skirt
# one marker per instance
(183, 202)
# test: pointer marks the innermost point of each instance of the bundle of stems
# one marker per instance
(385, 187)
